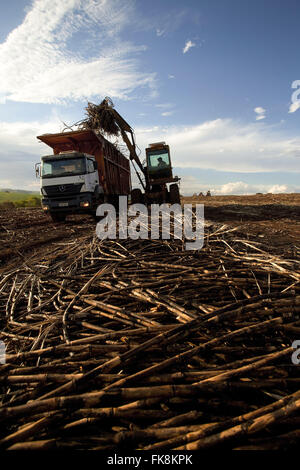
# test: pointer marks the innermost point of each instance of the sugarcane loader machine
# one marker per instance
(157, 171)
(157, 174)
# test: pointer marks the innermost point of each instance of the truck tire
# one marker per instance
(174, 194)
(57, 217)
(136, 196)
(114, 201)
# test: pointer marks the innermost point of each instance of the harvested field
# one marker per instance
(140, 344)
(273, 218)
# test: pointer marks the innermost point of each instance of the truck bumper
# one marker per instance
(79, 203)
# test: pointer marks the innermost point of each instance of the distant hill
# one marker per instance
(23, 191)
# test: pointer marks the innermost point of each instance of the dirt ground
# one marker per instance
(205, 335)
(26, 232)
(273, 219)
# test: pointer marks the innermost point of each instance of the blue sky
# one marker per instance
(211, 77)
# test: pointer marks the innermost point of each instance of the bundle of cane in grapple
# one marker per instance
(100, 117)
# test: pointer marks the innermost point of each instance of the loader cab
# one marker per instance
(158, 161)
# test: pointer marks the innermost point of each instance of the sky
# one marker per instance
(218, 80)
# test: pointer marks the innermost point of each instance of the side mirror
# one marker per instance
(37, 170)
(95, 166)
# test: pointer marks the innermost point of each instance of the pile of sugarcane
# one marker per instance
(100, 117)
(140, 344)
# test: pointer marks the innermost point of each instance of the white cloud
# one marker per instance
(191, 185)
(20, 150)
(19, 136)
(240, 187)
(199, 146)
(171, 76)
(160, 32)
(54, 54)
(294, 106)
(259, 118)
(188, 46)
(222, 145)
(260, 113)
(259, 110)
(163, 23)
(280, 188)
(164, 105)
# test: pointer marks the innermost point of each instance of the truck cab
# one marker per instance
(69, 183)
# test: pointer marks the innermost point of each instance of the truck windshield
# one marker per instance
(59, 167)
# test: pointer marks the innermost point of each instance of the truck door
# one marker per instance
(92, 176)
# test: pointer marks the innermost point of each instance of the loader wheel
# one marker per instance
(136, 196)
(165, 196)
(174, 194)
(56, 217)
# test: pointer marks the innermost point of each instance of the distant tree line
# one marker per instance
(33, 201)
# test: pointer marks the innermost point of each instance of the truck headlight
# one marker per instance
(84, 204)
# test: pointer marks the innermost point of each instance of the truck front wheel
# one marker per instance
(57, 217)
(136, 196)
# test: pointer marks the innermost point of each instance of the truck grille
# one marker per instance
(63, 189)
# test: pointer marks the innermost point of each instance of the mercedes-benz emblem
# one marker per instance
(62, 188)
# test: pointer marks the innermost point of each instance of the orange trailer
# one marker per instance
(113, 166)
